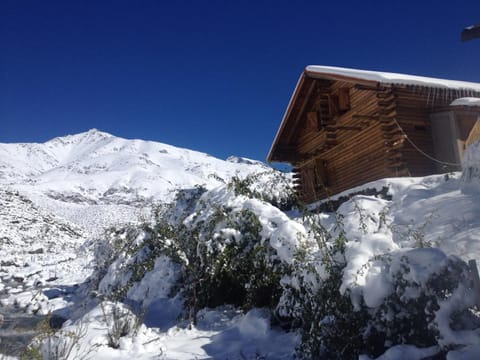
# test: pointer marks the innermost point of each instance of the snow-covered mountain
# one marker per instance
(96, 180)
(96, 167)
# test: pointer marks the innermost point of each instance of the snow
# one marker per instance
(401, 352)
(58, 197)
(392, 78)
(221, 333)
(459, 299)
(368, 240)
(471, 170)
(282, 232)
(98, 168)
(163, 276)
(468, 352)
(424, 211)
(250, 336)
(466, 101)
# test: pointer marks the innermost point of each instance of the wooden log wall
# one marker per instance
(310, 139)
(359, 152)
(358, 161)
(372, 139)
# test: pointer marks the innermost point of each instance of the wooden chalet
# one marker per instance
(345, 127)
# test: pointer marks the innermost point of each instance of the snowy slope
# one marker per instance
(97, 180)
(96, 167)
(37, 250)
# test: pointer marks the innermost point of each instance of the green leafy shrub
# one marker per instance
(330, 327)
(225, 260)
(270, 186)
(224, 256)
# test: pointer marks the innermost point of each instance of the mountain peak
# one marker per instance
(95, 131)
(95, 134)
(91, 135)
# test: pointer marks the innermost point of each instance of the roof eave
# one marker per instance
(288, 110)
(339, 77)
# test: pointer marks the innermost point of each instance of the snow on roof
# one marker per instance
(390, 78)
(466, 101)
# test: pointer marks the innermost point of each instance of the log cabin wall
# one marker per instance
(367, 141)
(345, 149)
(340, 133)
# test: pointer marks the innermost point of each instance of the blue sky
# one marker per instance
(214, 76)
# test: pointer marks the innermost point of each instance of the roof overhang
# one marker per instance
(287, 113)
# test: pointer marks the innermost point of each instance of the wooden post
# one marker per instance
(476, 281)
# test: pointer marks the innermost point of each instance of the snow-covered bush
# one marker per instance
(429, 298)
(418, 296)
(53, 344)
(349, 282)
(119, 321)
(123, 259)
(330, 326)
(225, 252)
(226, 248)
(271, 186)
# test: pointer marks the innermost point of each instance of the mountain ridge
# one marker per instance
(94, 163)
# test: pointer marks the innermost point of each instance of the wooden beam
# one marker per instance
(300, 112)
(350, 128)
(312, 121)
(366, 87)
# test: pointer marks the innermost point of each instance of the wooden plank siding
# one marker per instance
(349, 163)
(339, 134)
(370, 138)
(361, 153)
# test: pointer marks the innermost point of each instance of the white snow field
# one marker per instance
(57, 198)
